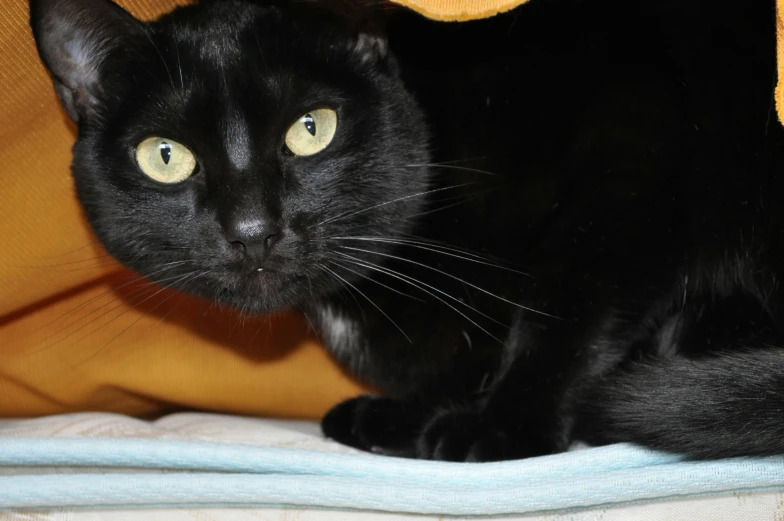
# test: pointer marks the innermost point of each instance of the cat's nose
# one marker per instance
(255, 236)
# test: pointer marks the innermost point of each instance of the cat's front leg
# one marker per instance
(445, 363)
(526, 409)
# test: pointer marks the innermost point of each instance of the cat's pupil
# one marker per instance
(166, 152)
(310, 124)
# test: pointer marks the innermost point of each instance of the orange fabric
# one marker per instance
(460, 10)
(779, 95)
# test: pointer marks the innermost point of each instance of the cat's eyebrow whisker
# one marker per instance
(336, 263)
(414, 244)
(163, 60)
(416, 284)
(179, 66)
(420, 194)
(369, 300)
(261, 52)
(513, 303)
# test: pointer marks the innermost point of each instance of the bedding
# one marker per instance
(228, 467)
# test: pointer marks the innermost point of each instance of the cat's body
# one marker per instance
(625, 155)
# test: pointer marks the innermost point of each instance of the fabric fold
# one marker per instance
(52, 472)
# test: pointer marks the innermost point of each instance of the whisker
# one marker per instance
(452, 247)
(455, 278)
(173, 308)
(61, 264)
(312, 327)
(464, 200)
(400, 276)
(359, 306)
(449, 247)
(369, 300)
(413, 244)
(115, 337)
(110, 290)
(452, 161)
(171, 78)
(453, 167)
(121, 304)
(409, 277)
(351, 214)
(90, 243)
(179, 66)
(135, 306)
(376, 282)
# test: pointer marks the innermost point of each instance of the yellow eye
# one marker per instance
(312, 132)
(164, 160)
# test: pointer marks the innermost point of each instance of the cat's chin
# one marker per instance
(259, 292)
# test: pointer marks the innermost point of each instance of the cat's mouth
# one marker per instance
(259, 292)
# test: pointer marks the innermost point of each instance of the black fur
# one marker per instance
(625, 154)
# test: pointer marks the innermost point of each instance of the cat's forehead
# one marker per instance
(227, 32)
(219, 32)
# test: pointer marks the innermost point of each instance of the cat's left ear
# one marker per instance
(371, 45)
(82, 42)
(367, 22)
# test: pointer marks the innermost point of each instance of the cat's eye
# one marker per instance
(165, 160)
(312, 132)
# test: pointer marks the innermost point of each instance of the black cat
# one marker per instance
(622, 156)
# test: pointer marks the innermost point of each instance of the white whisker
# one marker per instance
(404, 278)
(375, 281)
(453, 167)
(409, 277)
(414, 244)
(351, 214)
(368, 299)
(452, 277)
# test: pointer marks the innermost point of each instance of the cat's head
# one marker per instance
(224, 148)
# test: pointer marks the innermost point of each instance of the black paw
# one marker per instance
(380, 425)
(472, 436)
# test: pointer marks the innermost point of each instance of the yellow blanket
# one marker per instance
(69, 342)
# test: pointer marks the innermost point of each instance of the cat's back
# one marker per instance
(659, 110)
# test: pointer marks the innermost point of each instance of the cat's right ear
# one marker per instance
(81, 42)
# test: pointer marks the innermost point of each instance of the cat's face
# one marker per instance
(222, 149)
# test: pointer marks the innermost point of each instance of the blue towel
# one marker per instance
(219, 474)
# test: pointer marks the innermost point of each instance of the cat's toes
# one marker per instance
(380, 425)
(468, 436)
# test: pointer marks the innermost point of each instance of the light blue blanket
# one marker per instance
(230, 474)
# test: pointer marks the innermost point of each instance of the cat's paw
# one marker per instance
(457, 435)
(381, 425)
